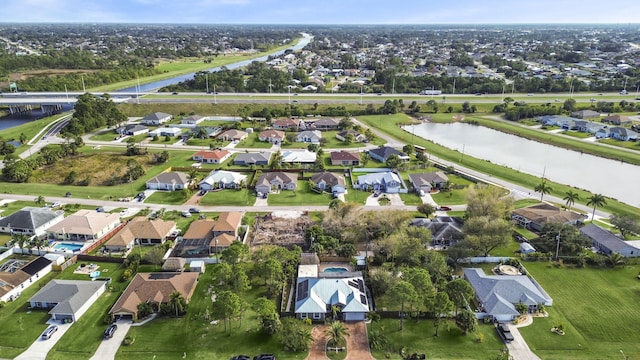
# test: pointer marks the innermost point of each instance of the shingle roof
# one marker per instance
(384, 152)
(253, 157)
(428, 178)
(156, 116)
(285, 178)
(345, 155)
(173, 177)
(305, 156)
(545, 213)
(228, 221)
(141, 228)
(70, 295)
(275, 134)
(378, 178)
(605, 238)
(86, 222)
(330, 179)
(200, 229)
(30, 218)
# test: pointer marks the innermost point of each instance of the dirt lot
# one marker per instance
(279, 231)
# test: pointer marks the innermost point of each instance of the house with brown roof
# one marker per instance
(141, 231)
(330, 182)
(273, 136)
(197, 241)
(233, 135)
(225, 231)
(534, 217)
(345, 158)
(277, 180)
(16, 276)
(325, 124)
(288, 124)
(154, 289)
(616, 120)
(171, 181)
(217, 156)
(84, 226)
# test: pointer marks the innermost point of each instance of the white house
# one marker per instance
(67, 299)
(30, 221)
(12, 284)
(174, 180)
(309, 136)
(383, 181)
(302, 157)
(326, 181)
(192, 120)
(166, 131)
(222, 179)
(84, 226)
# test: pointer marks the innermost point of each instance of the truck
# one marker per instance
(504, 332)
(431, 92)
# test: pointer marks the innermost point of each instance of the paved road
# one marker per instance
(109, 347)
(40, 348)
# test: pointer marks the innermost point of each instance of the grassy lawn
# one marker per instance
(577, 134)
(29, 129)
(633, 145)
(252, 142)
(11, 207)
(389, 124)
(518, 204)
(105, 135)
(302, 196)
(167, 197)
(182, 222)
(411, 198)
(229, 197)
(417, 336)
(598, 308)
(357, 196)
(168, 338)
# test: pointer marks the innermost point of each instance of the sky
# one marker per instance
(321, 11)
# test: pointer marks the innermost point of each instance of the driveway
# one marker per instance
(396, 200)
(518, 348)
(427, 199)
(109, 347)
(40, 348)
(260, 202)
(316, 352)
(358, 342)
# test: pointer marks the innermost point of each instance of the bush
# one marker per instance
(128, 340)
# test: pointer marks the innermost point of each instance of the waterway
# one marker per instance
(612, 178)
(304, 41)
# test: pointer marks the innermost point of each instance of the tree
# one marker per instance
(441, 305)
(543, 188)
(467, 321)
(227, 305)
(489, 201)
(483, 233)
(625, 223)
(295, 335)
(408, 149)
(426, 209)
(239, 281)
(336, 333)
(155, 255)
(571, 198)
(39, 200)
(421, 281)
(20, 239)
(393, 161)
(235, 253)
(402, 293)
(460, 292)
(569, 105)
(268, 313)
(178, 302)
(364, 158)
(596, 200)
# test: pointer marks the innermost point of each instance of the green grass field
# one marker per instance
(598, 308)
(301, 197)
(228, 197)
(252, 142)
(167, 197)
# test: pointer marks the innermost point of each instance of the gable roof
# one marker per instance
(154, 287)
(329, 178)
(142, 228)
(30, 218)
(70, 295)
(156, 116)
(234, 133)
(216, 154)
(379, 178)
(384, 152)
(224, 177)
(428, 178)
(228, 221)
(544, 213)
(253, 157)
(617, 119)
(605, 238)
(200, 229)
(172, 177)
(87, 222)
(443, 228)
(345, 156)
(283, 177)
(272, 134)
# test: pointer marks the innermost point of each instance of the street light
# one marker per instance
(558, 245)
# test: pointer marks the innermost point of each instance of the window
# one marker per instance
(303, 316)
(317, 316)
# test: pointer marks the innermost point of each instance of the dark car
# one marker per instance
(519, 238)
(444, 208)
(504, 332)
(100, 209)
(68, 194)
(203, 192)
(241, 357)
(108, 334)
(174, 93)
(264, 357)
(49, 332)
(194, 210)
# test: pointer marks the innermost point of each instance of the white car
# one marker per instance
(124, 212)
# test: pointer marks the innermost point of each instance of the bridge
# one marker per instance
(51, 102)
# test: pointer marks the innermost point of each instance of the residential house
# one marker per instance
(608, 243)
(288, 124)
(132, 130)
(534, 217)
(171, 181)
(602, 133)
(12, 284)
(30, 221)
(141, 231)
(298, 157)
(233, 135)
(222, 179)
(166, 131)
(260, 158)
(445, 230)
(193, 120)
(425, 182)
(273, 136)
(217, 156)
(382, 153)
(622, 134)
(586, 114)
(356, 136)
(156, 118)
(225, 231)
(67, 299)
(84, 226)
(276, 180)
(330, 182)
(498, 295)
(387, 181)
(325, 124)
(318, 293)
(309, 136)
(587, 126)
(345, 158)
(197, 241)
(616, 120)
(154, 289)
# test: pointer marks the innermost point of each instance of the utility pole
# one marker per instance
(83, 89)
(361, 93)
(206, 77)
(215, 101)
(558, 243)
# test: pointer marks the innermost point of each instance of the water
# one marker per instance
(68, 246)
(598, 175)
(306, 39)
(335, 269)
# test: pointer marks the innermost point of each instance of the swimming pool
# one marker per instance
(67, 246)
(335, 269)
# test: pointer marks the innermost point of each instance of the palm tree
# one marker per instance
(596, 200)
(21, 240)
(571, 198)
(543, 188)
(336, 333)
(39, 200)
(177, 302)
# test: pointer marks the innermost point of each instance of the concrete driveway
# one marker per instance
(358, 342)
(109, 347)
(40, 348)
(518, 348)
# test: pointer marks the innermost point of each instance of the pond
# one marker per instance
(599, 175)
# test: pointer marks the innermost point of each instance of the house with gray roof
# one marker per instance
(381, 181)
(586, 114)
(425, 182)
(608, 243)
(132, 130)
(309, 136)
(382, 153)
(156, 118)
(622, 134)
(30, 221)
(277, 180)
(326, 124)
(331, 182)
(445, 230)
(173, 180)
(253, 158)
(497, 295)
(67, 299)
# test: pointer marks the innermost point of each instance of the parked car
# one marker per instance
(504, 332)
(186, 214)
(202, 192)
(100, 209)
(49, 332)
(241, 357)
(519, 238)
(56, 204)
(264, 357)
(124, 212)
(444, 208)
(194, 210)
(108, 334)
(68, 194)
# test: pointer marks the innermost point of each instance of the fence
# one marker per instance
(104, 239)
